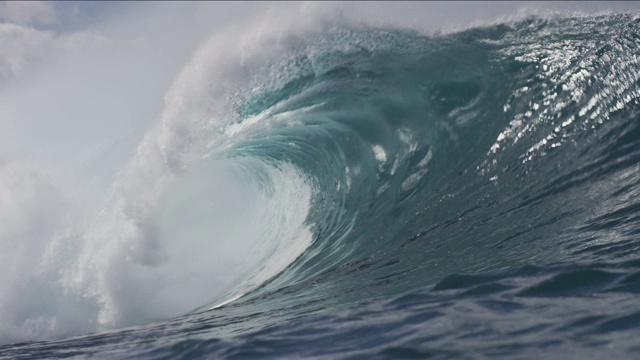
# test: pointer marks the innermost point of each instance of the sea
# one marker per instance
(346, 191)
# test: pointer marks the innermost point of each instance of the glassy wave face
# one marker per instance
(373, 192)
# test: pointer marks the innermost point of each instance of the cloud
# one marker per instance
(21, 46)
(28, 12)
(25, 47)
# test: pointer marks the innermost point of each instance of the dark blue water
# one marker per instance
(464, 195)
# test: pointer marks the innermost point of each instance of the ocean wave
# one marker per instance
(307, 170)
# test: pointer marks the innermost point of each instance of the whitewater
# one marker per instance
(330, 188)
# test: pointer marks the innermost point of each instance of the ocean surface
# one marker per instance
(351, 191)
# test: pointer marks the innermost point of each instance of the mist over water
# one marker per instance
(220, 183)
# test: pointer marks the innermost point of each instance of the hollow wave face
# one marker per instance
(311, 171)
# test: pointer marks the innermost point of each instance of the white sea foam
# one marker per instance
(143, 259)
(179, 231)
